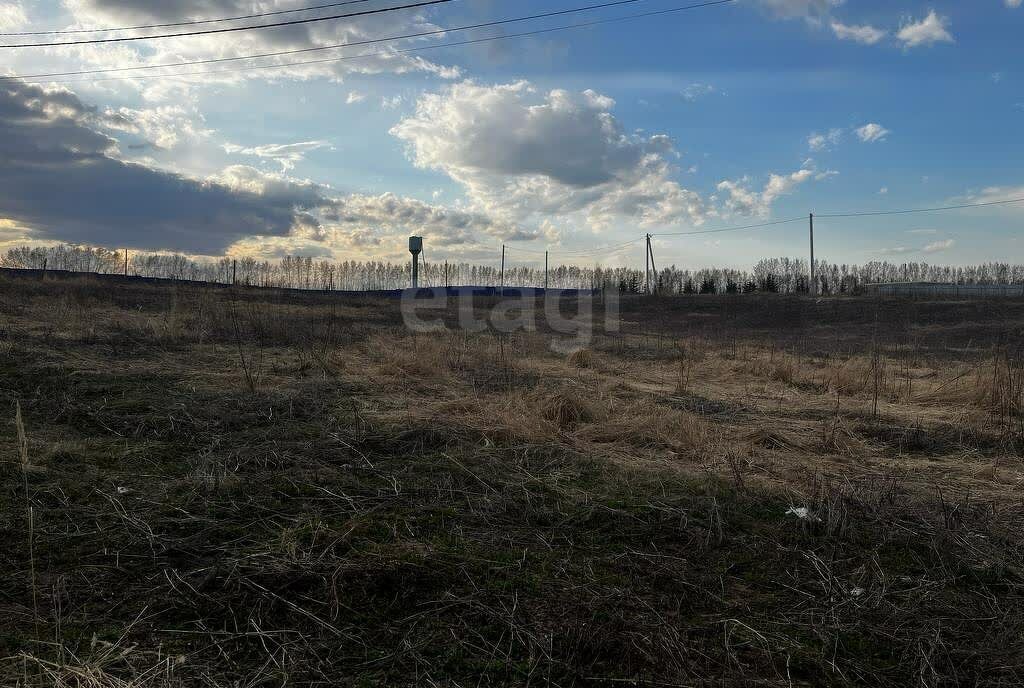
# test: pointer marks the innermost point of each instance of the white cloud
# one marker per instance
(884, 191)
(939, 246)
(94, 13)
(523, 154)
(868, 35)
(811, 9)
(741, 200)
(823, 142)
(50, 139)
(923, 231)
(934, 247)
(12, 16)
(930, 30)
(872, 133)
(999, 194)
(1013, 3)
(286, 155)
(695, 92)
(164, 127)
(354, 97)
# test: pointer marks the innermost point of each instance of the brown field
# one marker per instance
(209, 487)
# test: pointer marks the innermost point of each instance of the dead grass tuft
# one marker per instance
(581, 358)
(775, 439)
(641, 425)
(566, 411)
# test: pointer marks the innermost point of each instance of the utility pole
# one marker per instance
(654, 268)
(503, 269)
(545, 271)
(813, 286)
(446, 274)
(126, 262)
(647, 266)
(234, 271)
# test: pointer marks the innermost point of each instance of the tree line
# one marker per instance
(777, 275)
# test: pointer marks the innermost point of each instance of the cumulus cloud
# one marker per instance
(163, 127)
(444, 226)
(928, 31)
(12, 16)
(63, 180)
(520, 153)
(286, 155)
(867, 35)
(98, 13)
(739, 199)
(823, 142)
(872, 133)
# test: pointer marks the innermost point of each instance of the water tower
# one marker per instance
(415, 248)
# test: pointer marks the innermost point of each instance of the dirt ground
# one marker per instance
(211, 487)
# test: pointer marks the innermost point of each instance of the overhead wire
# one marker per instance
(194, 22)
(878, 213)
(232, 29)
(576, 253)
(731, 229)
(389, 39)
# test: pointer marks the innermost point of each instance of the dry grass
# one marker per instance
(581, 358)
(306, 494)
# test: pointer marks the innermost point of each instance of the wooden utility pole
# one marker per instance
(647, 266)
(813, 286)
(654, 268)
(234, 271)
(446, 285)
(545, 271)
(503, 269)
(126, 262)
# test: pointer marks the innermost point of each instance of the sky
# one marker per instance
(577, 141)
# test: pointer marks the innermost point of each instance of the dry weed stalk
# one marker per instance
(29, 511)
(252, 363)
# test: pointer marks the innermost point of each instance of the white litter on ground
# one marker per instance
(803, 513)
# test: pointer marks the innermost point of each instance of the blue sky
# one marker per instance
(730, 115)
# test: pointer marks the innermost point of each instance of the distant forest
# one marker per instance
(779, 275)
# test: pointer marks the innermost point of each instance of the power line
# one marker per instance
(921, 210)
(733, 229)
(422, 34)
(205, 32)
(196, 22)
(326, 60)
(378, 53)
(580, 253)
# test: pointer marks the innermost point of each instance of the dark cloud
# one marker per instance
(60, 177)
